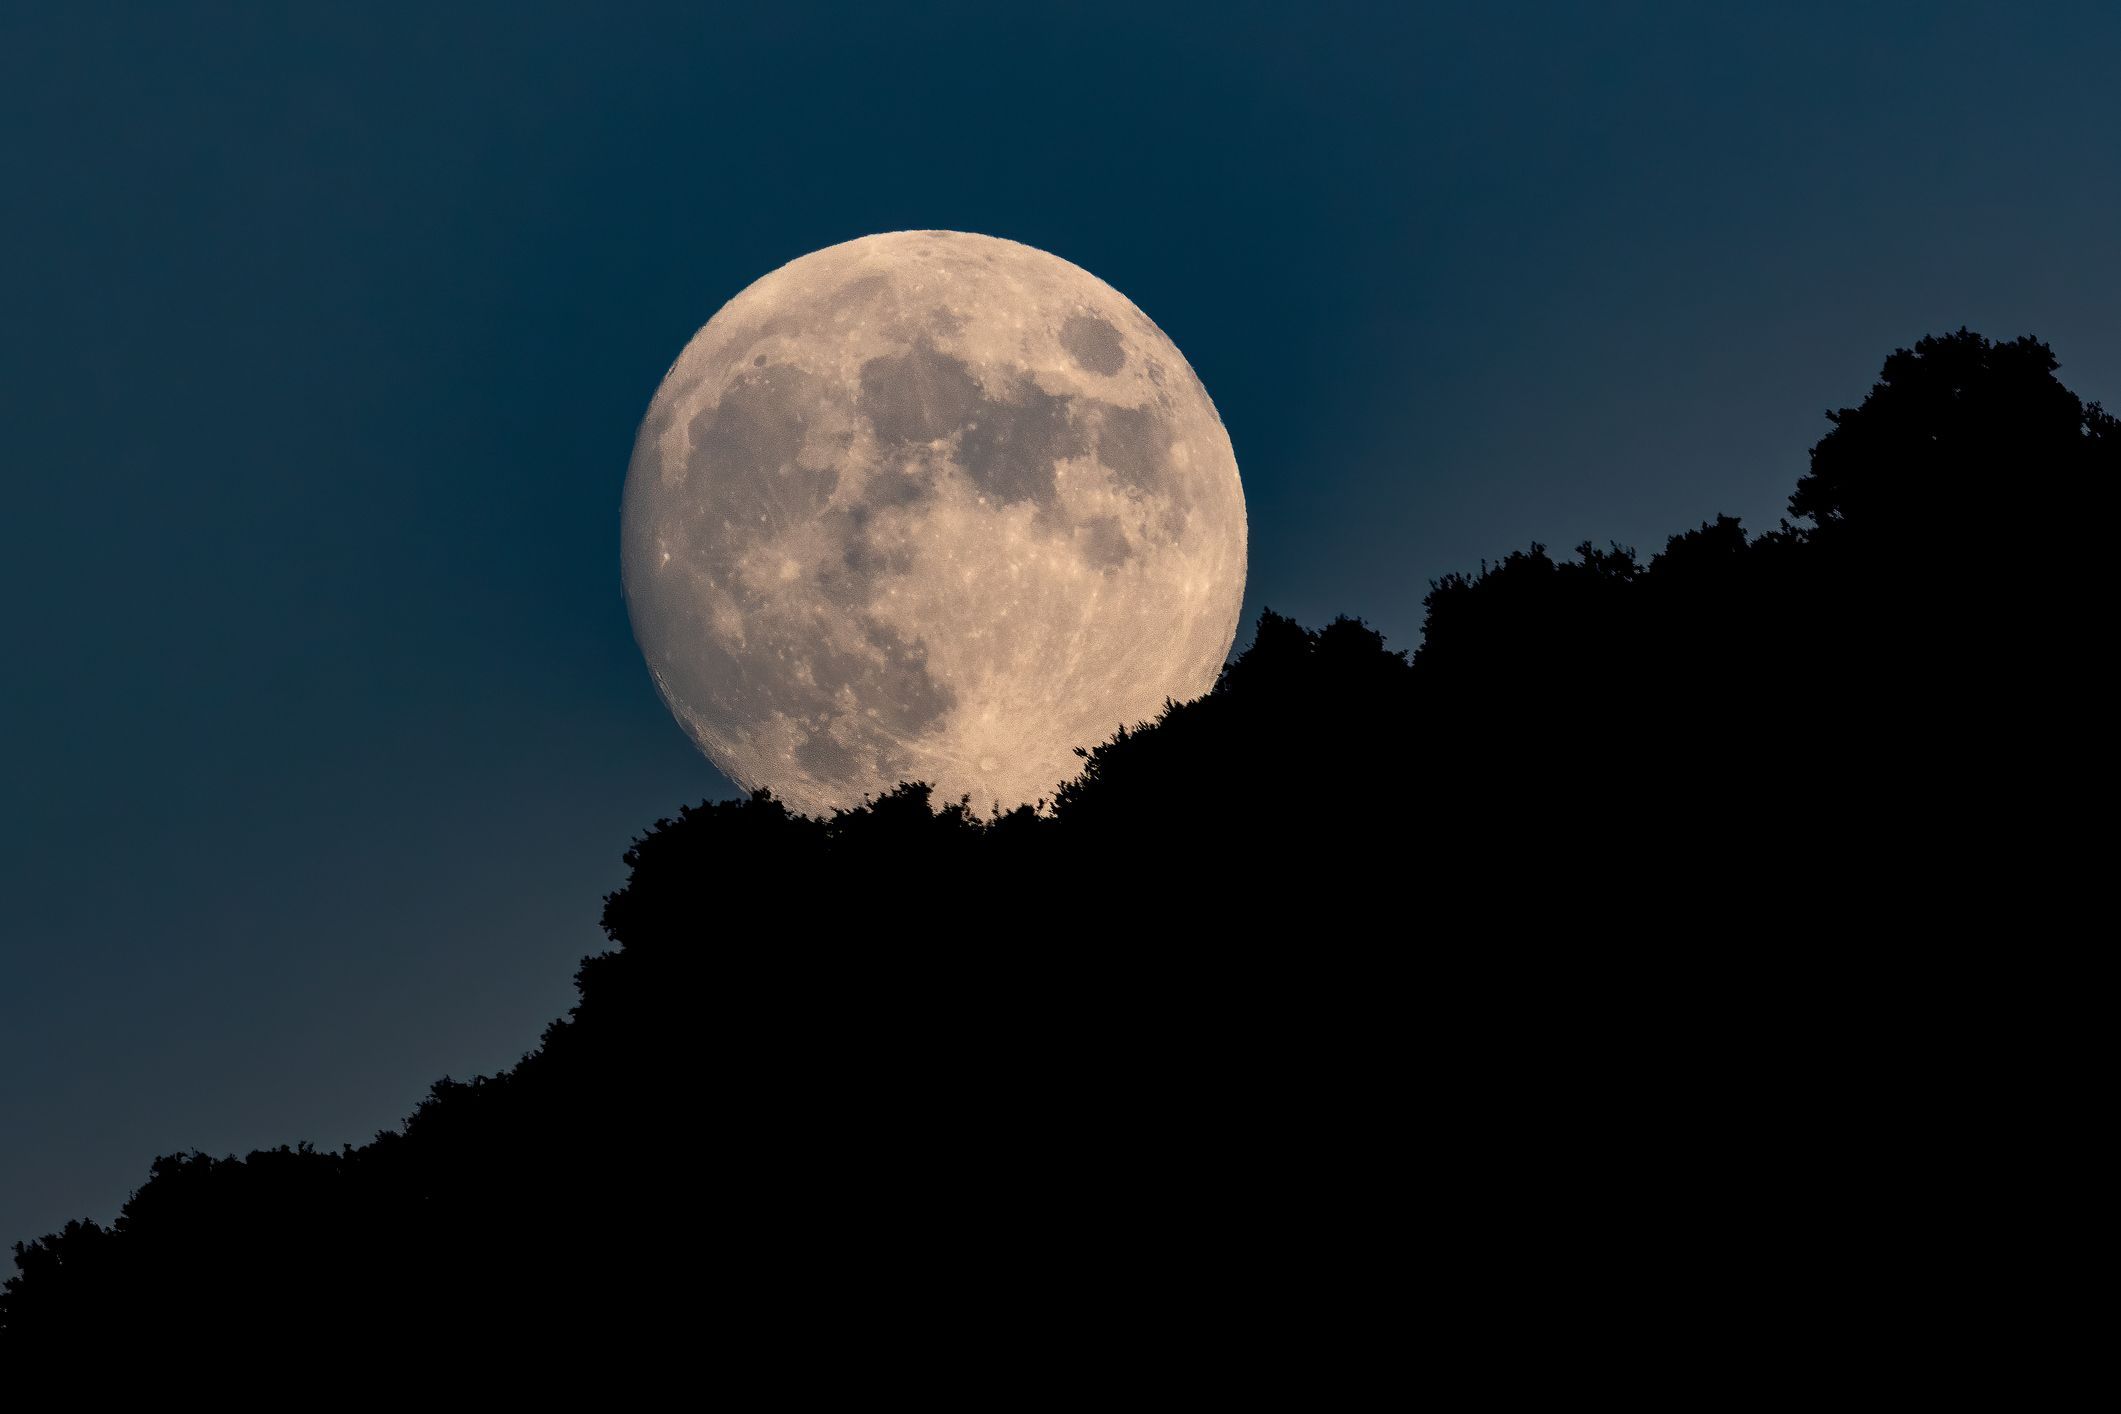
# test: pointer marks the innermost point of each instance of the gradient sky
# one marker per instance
(324, 334)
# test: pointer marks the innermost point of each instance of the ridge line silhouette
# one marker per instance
(1365, 962)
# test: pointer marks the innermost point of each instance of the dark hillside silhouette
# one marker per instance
(1529, 987)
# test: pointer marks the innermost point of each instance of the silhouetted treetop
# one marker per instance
(1957, 428)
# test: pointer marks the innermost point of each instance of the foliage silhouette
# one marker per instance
(1507, 971)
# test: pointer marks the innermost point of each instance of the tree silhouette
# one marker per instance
(1525, 963)
(1957, 430)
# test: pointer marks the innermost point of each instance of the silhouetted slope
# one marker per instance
(1525, 986)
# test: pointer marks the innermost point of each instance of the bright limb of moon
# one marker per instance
(928, 506)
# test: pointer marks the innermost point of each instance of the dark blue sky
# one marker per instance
(323, 336)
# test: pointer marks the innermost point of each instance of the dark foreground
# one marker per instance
(1598, 995)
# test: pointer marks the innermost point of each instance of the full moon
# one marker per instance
(928, 506)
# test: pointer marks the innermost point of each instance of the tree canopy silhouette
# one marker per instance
(1363, 970)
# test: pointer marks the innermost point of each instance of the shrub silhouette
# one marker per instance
(1362, 971)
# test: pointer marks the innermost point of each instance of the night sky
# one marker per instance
(324, 335)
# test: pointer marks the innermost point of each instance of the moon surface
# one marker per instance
(928, 506)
